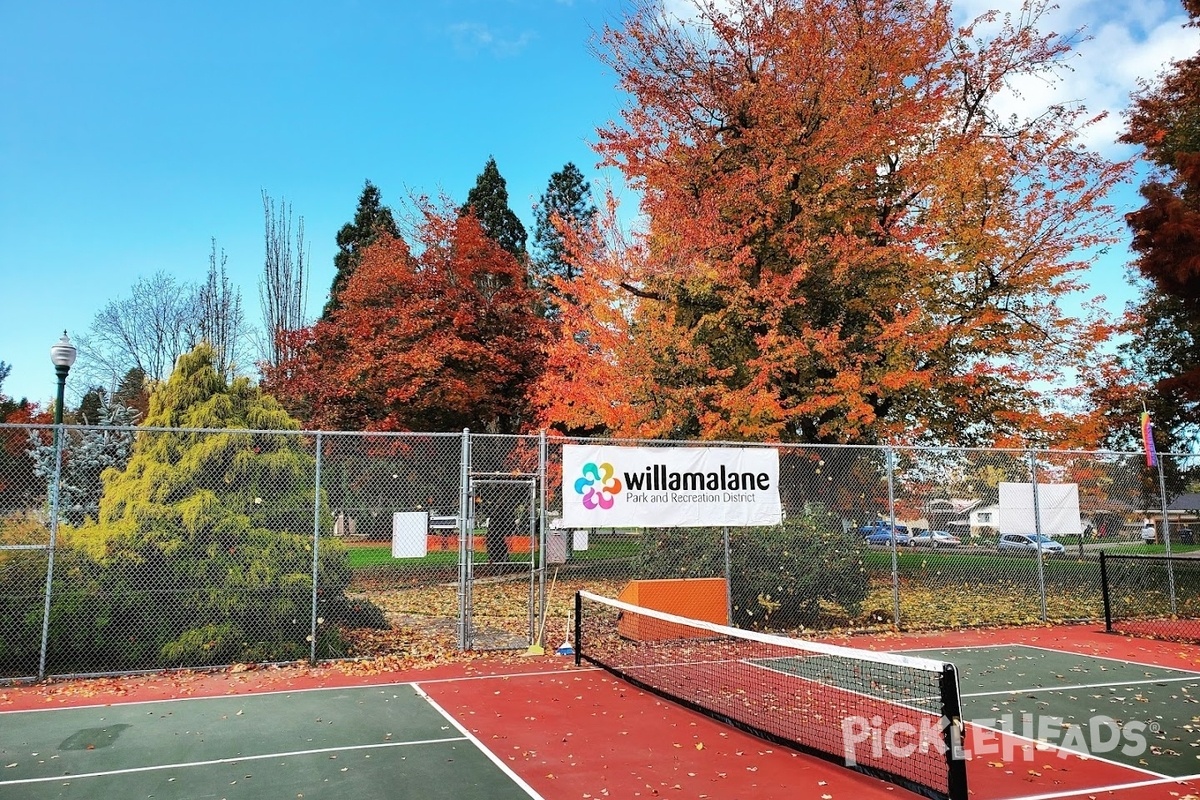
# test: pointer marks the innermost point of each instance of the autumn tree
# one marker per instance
(845, 238)
(371, 220)
(18, 485)
(488, 202)
(1165, 349)
(442, 340)
(565, 205)
(7, 404)
(282, 286)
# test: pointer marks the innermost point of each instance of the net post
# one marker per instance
(578, 629)
(954, 735)
(1104, 593)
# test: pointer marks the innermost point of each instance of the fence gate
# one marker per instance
(499, 563)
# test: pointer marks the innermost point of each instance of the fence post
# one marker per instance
(578, 628)
(60, 439)
(728, 577)
(890, 456)
(1037, 530)
(1104, 593)
(316, 561)
(543, 600)
(466, 543)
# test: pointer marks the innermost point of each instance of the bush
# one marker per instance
(188, 608)
(780, 576)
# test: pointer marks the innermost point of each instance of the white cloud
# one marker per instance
(473, 37)
(1124, 43)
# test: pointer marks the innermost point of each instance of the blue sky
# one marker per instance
(134, 132)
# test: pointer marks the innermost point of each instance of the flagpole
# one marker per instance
(1152, 460)
(1162, 493)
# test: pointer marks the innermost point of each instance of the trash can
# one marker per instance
(556, 547)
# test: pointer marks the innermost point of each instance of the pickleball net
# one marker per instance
(892, 716)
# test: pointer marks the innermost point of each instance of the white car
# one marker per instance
(1149, 533)
(1029, 543)
(924, 538)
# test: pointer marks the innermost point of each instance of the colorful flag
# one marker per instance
(1148, 439)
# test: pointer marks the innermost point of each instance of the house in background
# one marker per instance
(952, 515)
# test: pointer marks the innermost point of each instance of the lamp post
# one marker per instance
(62, 354)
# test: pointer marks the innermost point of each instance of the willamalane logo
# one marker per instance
(658, 478)
(599, 484)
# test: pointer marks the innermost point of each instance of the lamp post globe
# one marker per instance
(62, 355)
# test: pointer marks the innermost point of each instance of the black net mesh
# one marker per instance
(891, 716)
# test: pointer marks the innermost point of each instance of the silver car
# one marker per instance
(927, 538)
(1028, 543)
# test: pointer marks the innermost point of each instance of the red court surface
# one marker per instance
(579, 733)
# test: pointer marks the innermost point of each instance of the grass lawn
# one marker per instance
(1142, 549)
(373, 555)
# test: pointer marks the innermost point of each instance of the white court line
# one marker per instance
(235, 760)
(252, 694)
(1043, 746)
(1101, 789)
(495, 759)
(1107, 658)
(1073, 687)
(1054, 650)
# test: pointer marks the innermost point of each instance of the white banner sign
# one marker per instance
(670, 487)
(1057, 502)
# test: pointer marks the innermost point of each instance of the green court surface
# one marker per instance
(350, 743)
(1055, 703)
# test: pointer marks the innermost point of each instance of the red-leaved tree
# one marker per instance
(441, 339)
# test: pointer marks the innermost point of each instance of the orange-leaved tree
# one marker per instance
(845, 237)
(441, 339)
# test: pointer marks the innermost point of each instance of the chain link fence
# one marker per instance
(1155, 597)
(125, 549)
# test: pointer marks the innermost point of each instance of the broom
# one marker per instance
(536, 648)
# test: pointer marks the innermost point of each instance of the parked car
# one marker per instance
(925, 538)
(1029, 543)
(884, 536)
(1149, 533)
(882, 526)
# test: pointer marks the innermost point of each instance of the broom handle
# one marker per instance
(546, 613)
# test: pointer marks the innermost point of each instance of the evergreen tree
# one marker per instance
(88, 412)
(567, 199)
(370, 220)
(88, 454)
(133, 392)
(488, 201)
(217, 512)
